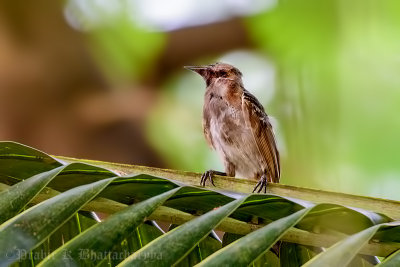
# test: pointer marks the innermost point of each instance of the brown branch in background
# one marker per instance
(52, 89)
(185, 46)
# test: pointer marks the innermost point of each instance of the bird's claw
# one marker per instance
(208, 175)
(262, 183)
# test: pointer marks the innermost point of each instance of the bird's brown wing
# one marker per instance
(257, 120)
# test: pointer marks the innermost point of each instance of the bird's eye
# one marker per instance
(223, 74)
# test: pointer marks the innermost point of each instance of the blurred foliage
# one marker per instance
(174, 127)
(123, 49)
(337, 63)
(303, 38)
(336, 96)
(326, 71)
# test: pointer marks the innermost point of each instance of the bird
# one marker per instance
(236, 125)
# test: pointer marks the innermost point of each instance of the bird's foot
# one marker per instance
(209, 175)
(262, 183)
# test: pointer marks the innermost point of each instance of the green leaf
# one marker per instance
(174, 245)
(86, 219)
(13, 200)
(248, 248)
(340, 218)
(18, 162)
(388, 207)
(121, 250)
(68, 230)
(324, 224)
(268, 259)
(28, 229)
(363, 261)
(391, 261)
(190, 259)
(229, 238)
(269, 207)
(344, 251)
(293, 255)
(135, 188)
(206, 247)
(144, 234)
(79, 174)
(100, 239)
(148, 232)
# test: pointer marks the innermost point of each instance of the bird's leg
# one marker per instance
(208, 175)
(262, 183)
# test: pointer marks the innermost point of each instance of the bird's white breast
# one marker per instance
(234, 141)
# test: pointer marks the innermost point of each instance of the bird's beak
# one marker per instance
(202, 70)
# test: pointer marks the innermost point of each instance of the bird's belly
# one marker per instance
(236, 144)
(246, 160)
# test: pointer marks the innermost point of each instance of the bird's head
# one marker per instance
(212, 72)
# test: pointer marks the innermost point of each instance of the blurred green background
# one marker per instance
(104, 80)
